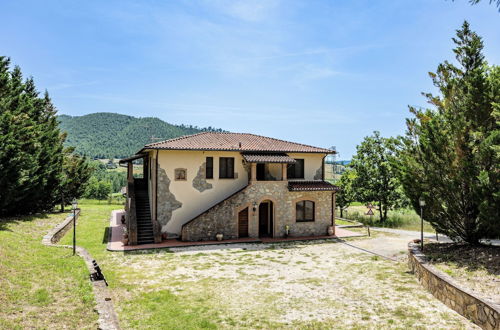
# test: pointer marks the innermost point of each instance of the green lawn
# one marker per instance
(401, 219)
(41, 287)
(135, 307)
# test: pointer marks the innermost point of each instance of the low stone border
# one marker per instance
(484, 313)
(108, 320)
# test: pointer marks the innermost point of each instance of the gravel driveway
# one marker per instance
(311, 285)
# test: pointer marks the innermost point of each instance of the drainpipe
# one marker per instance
(156, 187)
(333, 213)
(323, 167)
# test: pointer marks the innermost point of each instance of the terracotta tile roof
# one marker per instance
(269, 158)
(317, 185)
(233, 142)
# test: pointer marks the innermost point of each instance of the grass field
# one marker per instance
(41, 287)
(257, 286)
(402, 218)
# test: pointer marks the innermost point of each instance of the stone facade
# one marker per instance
(223, 217)
(484, 313)
(167, 203)
(199, 181)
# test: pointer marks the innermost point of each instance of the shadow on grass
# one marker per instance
(469, 257)
(106, 235)
(4, 222)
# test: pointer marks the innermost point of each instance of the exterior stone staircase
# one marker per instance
(145, 233)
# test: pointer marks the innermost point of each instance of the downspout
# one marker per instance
(323, 167)
(333, 214)
(156, 186)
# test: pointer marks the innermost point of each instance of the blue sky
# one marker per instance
(325, 73)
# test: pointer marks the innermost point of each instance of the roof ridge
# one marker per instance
(259, 143)
(302, 144)
(176, 139)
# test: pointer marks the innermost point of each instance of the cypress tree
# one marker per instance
(31, 148)
(450, 153)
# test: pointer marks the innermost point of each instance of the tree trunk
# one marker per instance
(62, 203)
(380, 212)
(341, 212)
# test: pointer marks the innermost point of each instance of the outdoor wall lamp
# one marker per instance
(254, 206)
(74, 206)
(421, 202)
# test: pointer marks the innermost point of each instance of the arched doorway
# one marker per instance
(266, 218)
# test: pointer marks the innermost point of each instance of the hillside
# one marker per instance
(112, 135)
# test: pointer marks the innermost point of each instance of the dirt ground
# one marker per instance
(476, 268)
(292, 285)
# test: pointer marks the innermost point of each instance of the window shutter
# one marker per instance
(209, 168)
(222, 167)
(230, 168)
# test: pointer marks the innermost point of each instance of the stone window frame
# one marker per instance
(176, 174)
(315, 205)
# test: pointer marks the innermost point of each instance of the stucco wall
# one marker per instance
(312, 163)
(192, 200)
(223, 218)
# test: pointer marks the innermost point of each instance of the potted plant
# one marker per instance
(125, 236)
(331, 230)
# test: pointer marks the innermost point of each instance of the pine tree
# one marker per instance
(450, 153)
(31, 146)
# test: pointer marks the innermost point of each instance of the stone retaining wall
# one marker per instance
(58, 232)
(108, 320)
(480, 311)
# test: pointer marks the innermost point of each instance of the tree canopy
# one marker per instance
(451, 152)
(374, 176)
(32, 157)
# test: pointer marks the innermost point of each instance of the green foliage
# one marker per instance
(111, 135)
(76, 172)
(475, 2)
(96, 189)
(116, 178)
(374, 176)
(346, 194)
(400, 218)
(450, 154)
(31, 153)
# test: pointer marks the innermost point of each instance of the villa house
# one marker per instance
(238, 185)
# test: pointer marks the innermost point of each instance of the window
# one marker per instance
(180, 174)
(226, 168)
(296, 171)
(304, 211)
(209, 168)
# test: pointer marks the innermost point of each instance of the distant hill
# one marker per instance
(112, 135)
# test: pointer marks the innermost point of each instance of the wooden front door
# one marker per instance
(243, 223)
(266, 219)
